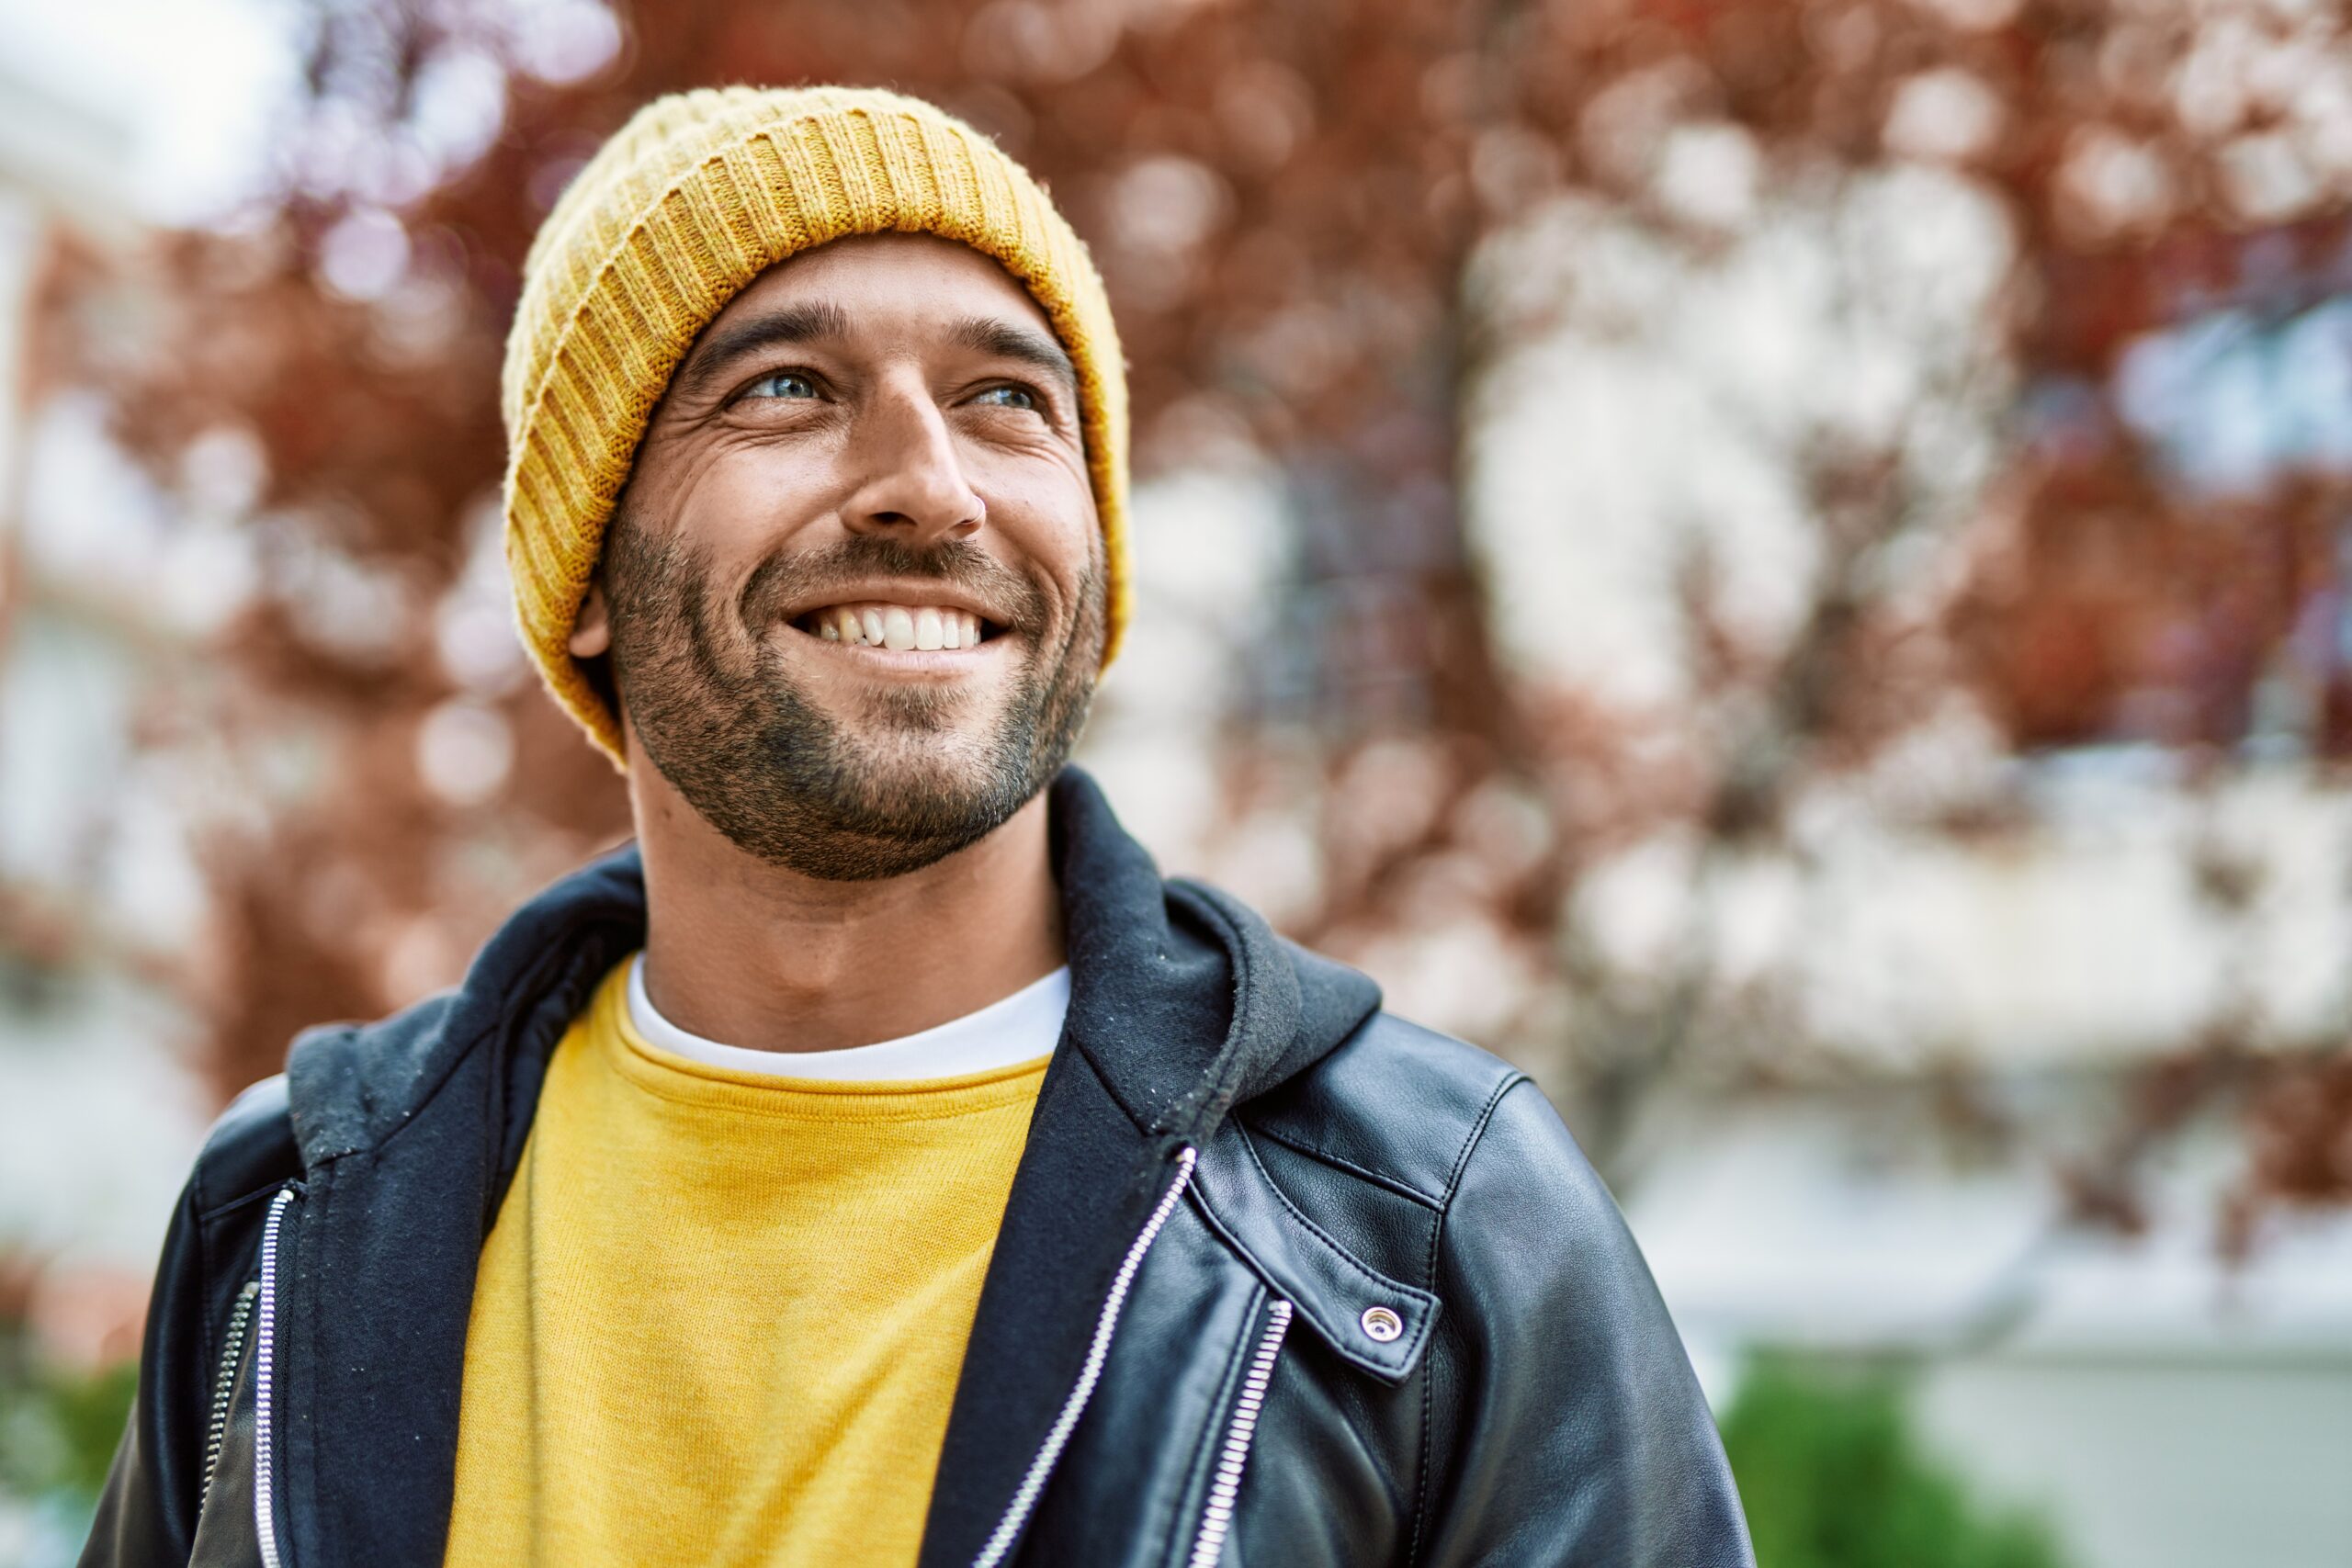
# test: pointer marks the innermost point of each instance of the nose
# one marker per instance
(914, 489)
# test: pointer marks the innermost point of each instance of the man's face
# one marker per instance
(872, 454)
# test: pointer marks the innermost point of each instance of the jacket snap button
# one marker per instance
(1382, 1325)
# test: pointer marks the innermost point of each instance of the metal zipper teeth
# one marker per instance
(1216, 1519)
(1024, 1499)
(224, 1388)
(265, 1347)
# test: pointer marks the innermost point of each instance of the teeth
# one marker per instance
(924, 627)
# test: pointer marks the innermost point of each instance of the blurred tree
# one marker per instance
(1291, 202)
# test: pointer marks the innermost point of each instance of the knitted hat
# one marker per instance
(696, 197)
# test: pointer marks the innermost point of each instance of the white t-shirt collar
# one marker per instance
(1021, 1028)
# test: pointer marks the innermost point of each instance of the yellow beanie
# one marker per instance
(696, 197)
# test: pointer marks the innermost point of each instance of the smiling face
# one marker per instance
(854, 594)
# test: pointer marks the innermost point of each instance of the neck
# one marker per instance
(754, 954)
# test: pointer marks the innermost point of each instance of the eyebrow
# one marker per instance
(988, 334)
(817, 321)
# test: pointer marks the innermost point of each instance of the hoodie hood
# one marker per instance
(1182, 999)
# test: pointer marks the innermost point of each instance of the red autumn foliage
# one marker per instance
(1285, 201)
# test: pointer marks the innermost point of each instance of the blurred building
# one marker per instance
(1950, 1017)
(96, 894)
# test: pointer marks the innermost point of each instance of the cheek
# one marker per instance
(1047, 517)
(738, 503)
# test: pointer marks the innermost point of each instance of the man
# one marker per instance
(879, 1163)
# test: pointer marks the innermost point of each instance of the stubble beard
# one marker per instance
(848, 798)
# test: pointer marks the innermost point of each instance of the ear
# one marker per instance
(592, 629)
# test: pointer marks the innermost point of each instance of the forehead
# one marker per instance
(897, 281)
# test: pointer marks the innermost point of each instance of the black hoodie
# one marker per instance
(1282, 1280)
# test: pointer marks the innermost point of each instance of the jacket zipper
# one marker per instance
(1025, 1498)
(224, 1388)
(265, 1347)
(1216, 1518)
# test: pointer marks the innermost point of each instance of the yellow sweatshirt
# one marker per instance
(722, 1315)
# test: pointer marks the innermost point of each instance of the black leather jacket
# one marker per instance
(1283, 1280)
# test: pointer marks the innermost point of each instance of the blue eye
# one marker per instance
(782, 383)
(1008, 398)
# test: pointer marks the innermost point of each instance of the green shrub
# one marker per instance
(1832, 1476)
(58, 1431)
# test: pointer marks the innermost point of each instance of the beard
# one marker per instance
(896, 788)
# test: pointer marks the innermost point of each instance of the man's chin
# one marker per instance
(932, 765)
(897, 807)
(899, 721)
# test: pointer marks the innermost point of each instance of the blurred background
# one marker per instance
(1786, 564)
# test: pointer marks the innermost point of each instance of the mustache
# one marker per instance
(807, 577)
